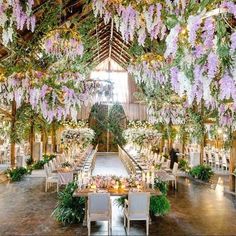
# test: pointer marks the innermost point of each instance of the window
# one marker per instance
(117, 76)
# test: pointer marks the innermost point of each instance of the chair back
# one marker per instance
(51, 165)
(175, 168)
(65, 178)
(224, 159)
(158, 159)
(216, 155)
(98, 203)
(139, 203)
(168, 164)
(54, 161)
(162, 159)
(46, 169)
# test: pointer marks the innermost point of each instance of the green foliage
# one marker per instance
(202, 172)
(197, 128)
(161, 185)
(29, 161)
(183, 165)
(159, 205)
(66, 164)
(69, 209)
(17, 173)
(115, 119)
(26, 119)
(40, 163)
(120, 202)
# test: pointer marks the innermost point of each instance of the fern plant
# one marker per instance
(17, 173)
(202, 172)
(69, 209)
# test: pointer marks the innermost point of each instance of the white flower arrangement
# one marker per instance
(81, 137)
(141, 136)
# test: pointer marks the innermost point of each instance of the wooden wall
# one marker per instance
(133, 111)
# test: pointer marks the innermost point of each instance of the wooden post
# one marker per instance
(31, 140)
(183, 142)
(43, 140)
(13, 143)
(202, 144)
(232, 162)
(54, 139)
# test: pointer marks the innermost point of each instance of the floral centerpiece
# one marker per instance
(81, 137)
(114, 182)
(77, 139)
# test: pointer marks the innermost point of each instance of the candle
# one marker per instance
(152, 178)
(148, 177)
(143, 177)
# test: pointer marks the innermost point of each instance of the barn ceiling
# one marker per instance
(109, 42)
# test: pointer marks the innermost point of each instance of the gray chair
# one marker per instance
(137, 208)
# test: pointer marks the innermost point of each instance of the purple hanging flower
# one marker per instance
(174, 71)
(230, 6)
(198, 51)
(233, 43)
(171, 41)
(212, 65)
(194, 23)
(227, 87)
(209, 33)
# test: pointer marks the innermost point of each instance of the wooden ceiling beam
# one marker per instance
(119, 62)
(100, 55)
(119, 58)
(119, 53)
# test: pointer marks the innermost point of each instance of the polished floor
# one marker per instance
(196, 209)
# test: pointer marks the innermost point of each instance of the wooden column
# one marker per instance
(13, 143)
(31, 140)
(232, 162)
(54, 139)
(202, 144)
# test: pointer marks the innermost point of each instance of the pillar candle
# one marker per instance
(148, 177)
(143, 177)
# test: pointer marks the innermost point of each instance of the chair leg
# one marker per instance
(89, 227)
(176, 183)
(147, 226)
(57, 187)
(46, 186)
(128, 226)
(124, 221)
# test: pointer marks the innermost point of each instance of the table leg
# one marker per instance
(150, 220)
(85, 213)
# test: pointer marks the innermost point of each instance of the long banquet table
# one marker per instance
(114, 192)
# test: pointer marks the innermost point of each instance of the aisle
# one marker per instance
(109, 164)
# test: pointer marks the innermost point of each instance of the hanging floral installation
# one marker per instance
(55, 96)
(199, 56)
(148, 69)
(15, 13)
(63, 42)
(168, 114)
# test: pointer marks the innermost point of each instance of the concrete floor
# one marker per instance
(196, 209)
